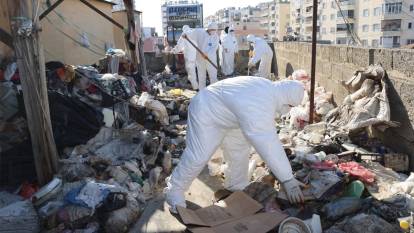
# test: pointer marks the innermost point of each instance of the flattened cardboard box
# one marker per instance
(234, 214)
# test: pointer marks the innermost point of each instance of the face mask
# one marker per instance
(212, 33)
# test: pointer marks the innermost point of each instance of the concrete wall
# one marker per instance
(336, 63)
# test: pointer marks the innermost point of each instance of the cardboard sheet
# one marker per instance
(236, 206)
(258, 223)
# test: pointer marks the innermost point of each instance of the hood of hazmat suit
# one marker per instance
(251, 38)
(245, 104)
(212, 26)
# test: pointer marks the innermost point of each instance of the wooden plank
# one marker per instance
(6, 38)
(102, 14)
(50, 9)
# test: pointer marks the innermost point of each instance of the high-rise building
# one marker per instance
(275, 18)
(370, 23)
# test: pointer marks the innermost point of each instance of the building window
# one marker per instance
(365, 28)
(332, 16)
(273, 31)
(365, 43)
(393, 8)
(375, 43)
(410, 25)
(365, 13)
(410, 41)
(343, 27)
(323, 31)
(333, 4)
(323, 5)
(346, 13)
(411, 8)
(390, 41)
(323, 17)
(332, 30)
(273, 23)
(341, 40)
(376, 27)
(377, 11)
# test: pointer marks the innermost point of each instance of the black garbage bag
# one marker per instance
(73, 121)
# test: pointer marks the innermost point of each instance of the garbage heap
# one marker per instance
(351, 182)
(118, 136)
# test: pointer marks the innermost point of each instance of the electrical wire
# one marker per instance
(80, 33)
(73, 39)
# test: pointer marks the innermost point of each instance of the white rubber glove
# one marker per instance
(174, 198)
(293, 191)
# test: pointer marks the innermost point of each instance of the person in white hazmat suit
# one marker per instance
(228, 49)
(235, 114)
(263, 53)
(190, 54)
(208, 41)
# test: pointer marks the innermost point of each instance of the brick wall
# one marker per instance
(335, 63)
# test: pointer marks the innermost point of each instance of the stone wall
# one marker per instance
(335, 63)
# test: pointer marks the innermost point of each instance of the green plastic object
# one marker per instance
(354, 189)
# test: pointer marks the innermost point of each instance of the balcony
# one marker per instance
(393, 25)
(346, 2)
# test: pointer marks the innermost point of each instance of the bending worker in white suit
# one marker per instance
(228, 49)
(236, 113)
(190, 54)
(208, 41)
(263, 53)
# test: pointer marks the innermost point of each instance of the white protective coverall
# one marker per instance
(228, 48)
(190, 54)
(234, 113)
(209, 45)
(262, 53)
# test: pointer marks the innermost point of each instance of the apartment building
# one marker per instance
(369, 23)
(301, 18)
(275, 18)
(246, 20)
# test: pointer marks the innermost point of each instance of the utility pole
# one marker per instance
(25, 28)
(313, 62)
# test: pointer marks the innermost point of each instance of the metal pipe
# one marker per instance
(313, 62)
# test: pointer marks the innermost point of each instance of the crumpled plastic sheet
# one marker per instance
(367, 104)
(91, 194)
(357, 170)
(159, 110)
(118, 148)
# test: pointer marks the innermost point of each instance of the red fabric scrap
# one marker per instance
(357, 170)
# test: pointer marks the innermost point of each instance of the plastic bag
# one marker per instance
(342, 207)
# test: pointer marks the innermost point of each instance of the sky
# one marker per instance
(151, 9)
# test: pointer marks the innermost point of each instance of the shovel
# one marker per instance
(204, 55)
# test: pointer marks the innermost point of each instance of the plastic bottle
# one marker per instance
(354, 189)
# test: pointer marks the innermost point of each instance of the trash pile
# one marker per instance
(118, 136)
(351, 181)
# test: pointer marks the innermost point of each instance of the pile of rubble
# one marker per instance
(118, 136)
(350, 179)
